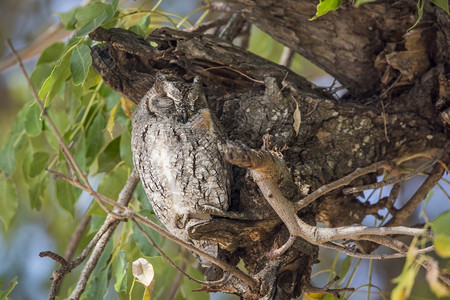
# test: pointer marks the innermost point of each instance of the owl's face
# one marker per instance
(176, 100)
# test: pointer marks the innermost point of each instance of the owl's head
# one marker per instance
(175, 99)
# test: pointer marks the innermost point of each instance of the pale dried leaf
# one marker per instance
(126, 106)
(297, 118)
(111, 119)
(143, 271)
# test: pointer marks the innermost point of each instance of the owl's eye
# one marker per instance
(163, 102)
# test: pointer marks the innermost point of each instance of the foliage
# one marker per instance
(95, 122)
(12, 284)
(326, 6)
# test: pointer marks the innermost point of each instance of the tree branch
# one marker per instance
(265, 168)
(399, 216)
(342, 182)
(110, 225)
(397, 179)
(204, 283)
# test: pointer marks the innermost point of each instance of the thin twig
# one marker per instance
(73, 244)
(221, 264)
(351, 252)
(341, 182)
(147, 236)
(54, 256)
(443, 190)
(76, 183)
(92, 262)
(308, 288)
(69, 157)
(67, 267)
(396, 179)
(234, 70)
(401, 247)
(110, 225)
(383, 115)
(399, 216)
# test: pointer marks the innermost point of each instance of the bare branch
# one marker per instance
(76, 183)
(399, 216)
(266, 167)
(110, 225)
(351, 252)
(401, 247)
(307, 288)
(341, 182)
(223, 265)
(172, 263)
(396, 179)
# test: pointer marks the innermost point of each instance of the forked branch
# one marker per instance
(265, 168)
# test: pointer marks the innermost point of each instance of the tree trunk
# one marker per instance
(397, 105)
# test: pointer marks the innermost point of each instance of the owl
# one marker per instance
(177, 151)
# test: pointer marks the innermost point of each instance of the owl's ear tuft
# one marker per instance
(160, 83)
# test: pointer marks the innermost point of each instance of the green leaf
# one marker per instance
(65, 196)
(40, 74)
(442, 244)
(141, 26)
(33, 125)
(441, 231)
(113, 182)
(51, 54)
(68, 18)
(93, 15)
(80, 154)
(53, 83)
(15, 141)
(12, 284)
(125, 148)
(96, 223)
(36, 191)
(325, 6)
(121, 265)
(360, 2)
(80, 63)
(94, 137)
(110, 156)
(188, 286)
(139, 193)
(145, 246)
(8, 201)
(7, 157)
(440, 225)
(163, 273)
(345, 268)
(420, 4)
(39, 163)
(442, 4)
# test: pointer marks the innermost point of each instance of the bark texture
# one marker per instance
(397, 106)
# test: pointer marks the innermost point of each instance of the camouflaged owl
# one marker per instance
(177, 151)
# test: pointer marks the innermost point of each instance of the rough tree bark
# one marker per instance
(397, 105)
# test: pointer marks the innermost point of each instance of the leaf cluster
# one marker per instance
(96, 125)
